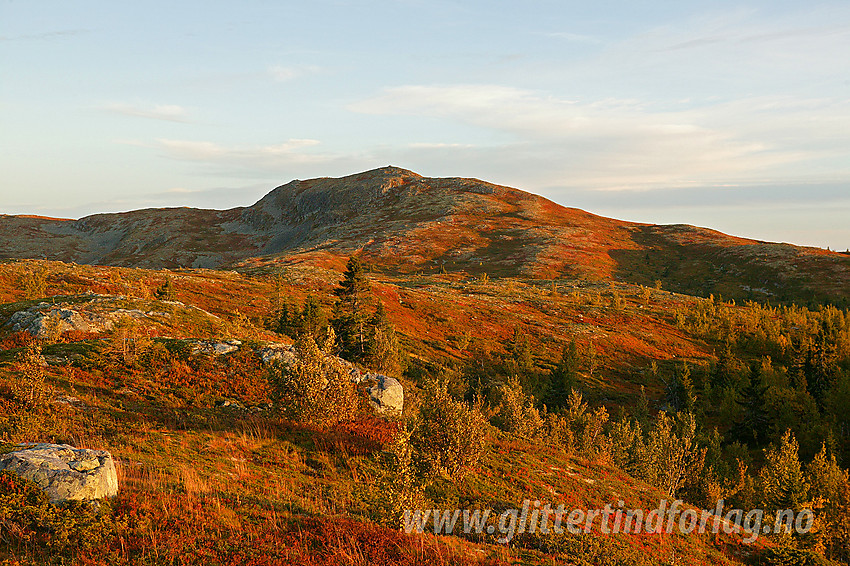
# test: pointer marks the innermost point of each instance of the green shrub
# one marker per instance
(516, 413)
(316, 387)
(449, 434)
(28, 518)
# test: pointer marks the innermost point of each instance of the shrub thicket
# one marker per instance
(316, 387)
(449, 434)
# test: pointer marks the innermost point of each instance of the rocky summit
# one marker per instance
(403, 222)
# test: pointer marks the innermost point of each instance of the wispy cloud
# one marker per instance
(291, 157)
(281, 73)
(209, 197)
(167, 112)
(47, 35)
(204, 151)
(623, 144)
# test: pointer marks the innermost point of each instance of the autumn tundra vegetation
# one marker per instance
(223, 458)
(239, 406)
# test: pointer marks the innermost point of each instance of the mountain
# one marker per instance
(403, 222)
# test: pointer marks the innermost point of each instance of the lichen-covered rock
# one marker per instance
(85, 313)
(387, 395)
(213, 348)
(284, 353)
(64, 473)
(36, 320)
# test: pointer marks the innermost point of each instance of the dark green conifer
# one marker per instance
(351, 315)
(753, 426)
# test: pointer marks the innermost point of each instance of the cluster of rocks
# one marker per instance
(385, 393)
(63, 472)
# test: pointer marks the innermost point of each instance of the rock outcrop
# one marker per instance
(84, 313)
(64, 473)
(283, 353)
(38, 319)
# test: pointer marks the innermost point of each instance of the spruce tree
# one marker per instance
(680, 390)
(312, 318)
(351, 312)
(284, 323)
(824, 365)
(520, 350)
(564, 377)
(721, 375)
(753, 425)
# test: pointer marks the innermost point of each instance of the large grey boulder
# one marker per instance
(86, 313)
(64, 473)
(386, 395)
(37, 319)
(283, 353)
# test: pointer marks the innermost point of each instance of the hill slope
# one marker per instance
(404, 222)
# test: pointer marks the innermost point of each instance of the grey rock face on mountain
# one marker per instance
(64, 473)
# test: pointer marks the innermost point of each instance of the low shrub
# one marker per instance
(29, 520)
(315, 388)
(448, 433)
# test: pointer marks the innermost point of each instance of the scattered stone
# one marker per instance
(67, 400)
(64, 473)
(229, 404)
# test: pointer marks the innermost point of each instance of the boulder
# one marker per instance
(284, 353)
(213, 348)
(37, 319)
(97, 314)
(64, 473)
(387, 395)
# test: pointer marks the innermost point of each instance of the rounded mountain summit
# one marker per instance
(400, 221)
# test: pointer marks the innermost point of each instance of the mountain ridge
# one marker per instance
(399, 220)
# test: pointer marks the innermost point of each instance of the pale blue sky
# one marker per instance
(730, 115)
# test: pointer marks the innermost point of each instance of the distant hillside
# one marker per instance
(403, 222)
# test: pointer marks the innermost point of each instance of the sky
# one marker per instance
(729, 115)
